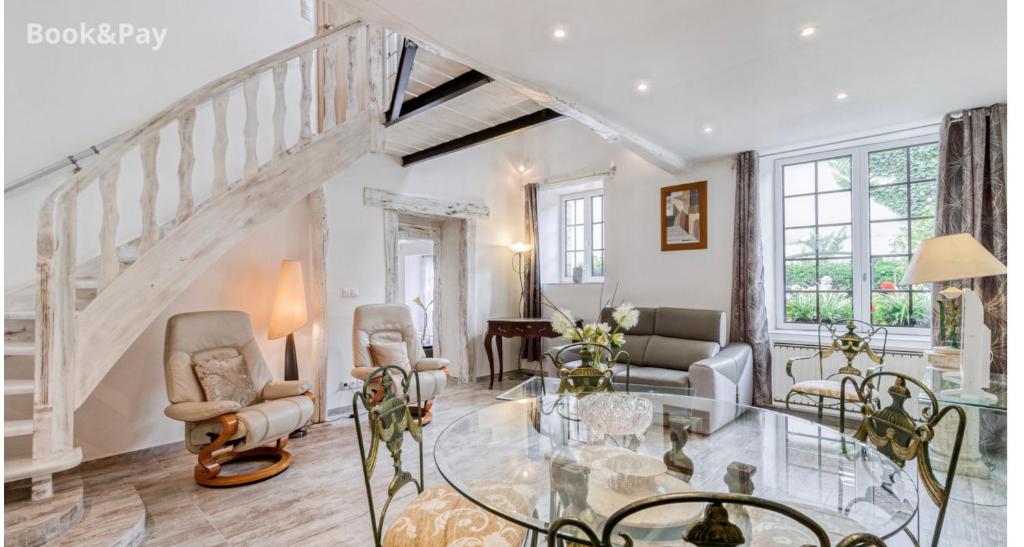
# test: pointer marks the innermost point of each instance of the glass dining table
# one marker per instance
(588, 456)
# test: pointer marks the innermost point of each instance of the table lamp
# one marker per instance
(950, 258)
(519, 249)
(289, 313)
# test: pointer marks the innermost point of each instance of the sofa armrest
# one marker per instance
(279, 389)
(431, 363)
(710, 375)
(200, 411)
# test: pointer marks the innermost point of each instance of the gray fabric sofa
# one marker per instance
(688, 348)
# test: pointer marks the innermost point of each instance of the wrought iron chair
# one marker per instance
(851, 345)
(584, 377)
(712, 528)
(902, 438)
(421, 522)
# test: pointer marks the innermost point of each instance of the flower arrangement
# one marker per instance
(625, 317)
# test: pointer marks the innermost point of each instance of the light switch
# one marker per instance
(306, 9)
(349, 292)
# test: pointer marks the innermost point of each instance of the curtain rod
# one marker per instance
(555, 181)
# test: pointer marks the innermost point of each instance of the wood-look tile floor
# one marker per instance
(321, 499)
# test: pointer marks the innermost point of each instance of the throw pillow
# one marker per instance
(226, 379)
(389, 354)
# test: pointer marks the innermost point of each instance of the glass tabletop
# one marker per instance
(586, 457)
(944, 382)
(537, 386)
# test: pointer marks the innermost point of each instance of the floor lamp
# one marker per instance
(951, 258)
(518, 264)
(289, 315)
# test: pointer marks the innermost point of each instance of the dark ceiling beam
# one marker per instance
(461, 84)
(405, 63)
(481, 136)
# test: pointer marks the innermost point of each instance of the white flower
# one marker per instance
(826, 282)
(618, 339)
(626, 316)
(602, 328)
(563, 322)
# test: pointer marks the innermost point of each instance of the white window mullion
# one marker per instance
(861, 239)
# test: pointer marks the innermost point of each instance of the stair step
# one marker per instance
(17, 428)
(18, 387)
(23, 468)
(20, 315)
(19, 348)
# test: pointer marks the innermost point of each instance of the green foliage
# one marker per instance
(802, 307)
(801, 273)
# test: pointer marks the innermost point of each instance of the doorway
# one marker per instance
(418, 287)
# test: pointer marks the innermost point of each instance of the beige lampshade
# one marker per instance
(289, 313)
(952, 257)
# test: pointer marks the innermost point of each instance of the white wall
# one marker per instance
(125, 412)
(645, 275)
(60, 99)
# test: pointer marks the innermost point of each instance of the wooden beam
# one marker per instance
(667, 160)
(423, 205)
(405, 63)
(481, 136)
(460, 85)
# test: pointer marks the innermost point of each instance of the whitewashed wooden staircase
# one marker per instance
(63, 333)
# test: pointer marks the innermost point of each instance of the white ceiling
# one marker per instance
(739, 66)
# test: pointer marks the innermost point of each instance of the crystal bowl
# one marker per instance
(615, 414)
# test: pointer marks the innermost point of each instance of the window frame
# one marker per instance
(588, 234)
(860, 221)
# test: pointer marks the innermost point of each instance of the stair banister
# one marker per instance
(56, 369)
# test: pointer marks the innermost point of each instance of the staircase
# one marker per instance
(63, 333)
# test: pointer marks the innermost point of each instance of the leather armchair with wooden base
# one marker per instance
(222, 431)
(388, 323)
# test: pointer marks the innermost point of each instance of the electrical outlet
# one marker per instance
(306, 9)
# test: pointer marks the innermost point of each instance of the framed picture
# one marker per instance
(684, 216)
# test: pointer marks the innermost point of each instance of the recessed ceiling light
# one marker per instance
(559, 33)
(521, 167)
(808, 31)
(708, 129)
(642, 87)
(841, 96)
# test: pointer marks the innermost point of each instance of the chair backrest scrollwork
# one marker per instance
(587, 378)
(712, 528)
(852, 344)
(388, 419)
(901, 437)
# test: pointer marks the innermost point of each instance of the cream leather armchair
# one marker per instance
(223, 431)
(384, 323)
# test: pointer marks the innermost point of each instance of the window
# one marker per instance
(848, 221)
(582, 235)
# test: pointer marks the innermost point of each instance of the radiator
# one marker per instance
(910, 363)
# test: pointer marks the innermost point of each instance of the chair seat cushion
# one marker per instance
(825, 388)
(441, 517)
(654, 376)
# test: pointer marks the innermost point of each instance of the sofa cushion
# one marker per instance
(707, 325)
(644, 325)
(636, 347)
(677, 353)
(654, 376)
(390, 354)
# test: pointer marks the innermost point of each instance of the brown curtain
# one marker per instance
(531, 271)
(972, 199)
(749, 317)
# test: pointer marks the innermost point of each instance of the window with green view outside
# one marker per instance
(848, 223)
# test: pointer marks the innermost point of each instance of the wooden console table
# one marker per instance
(513, 327)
